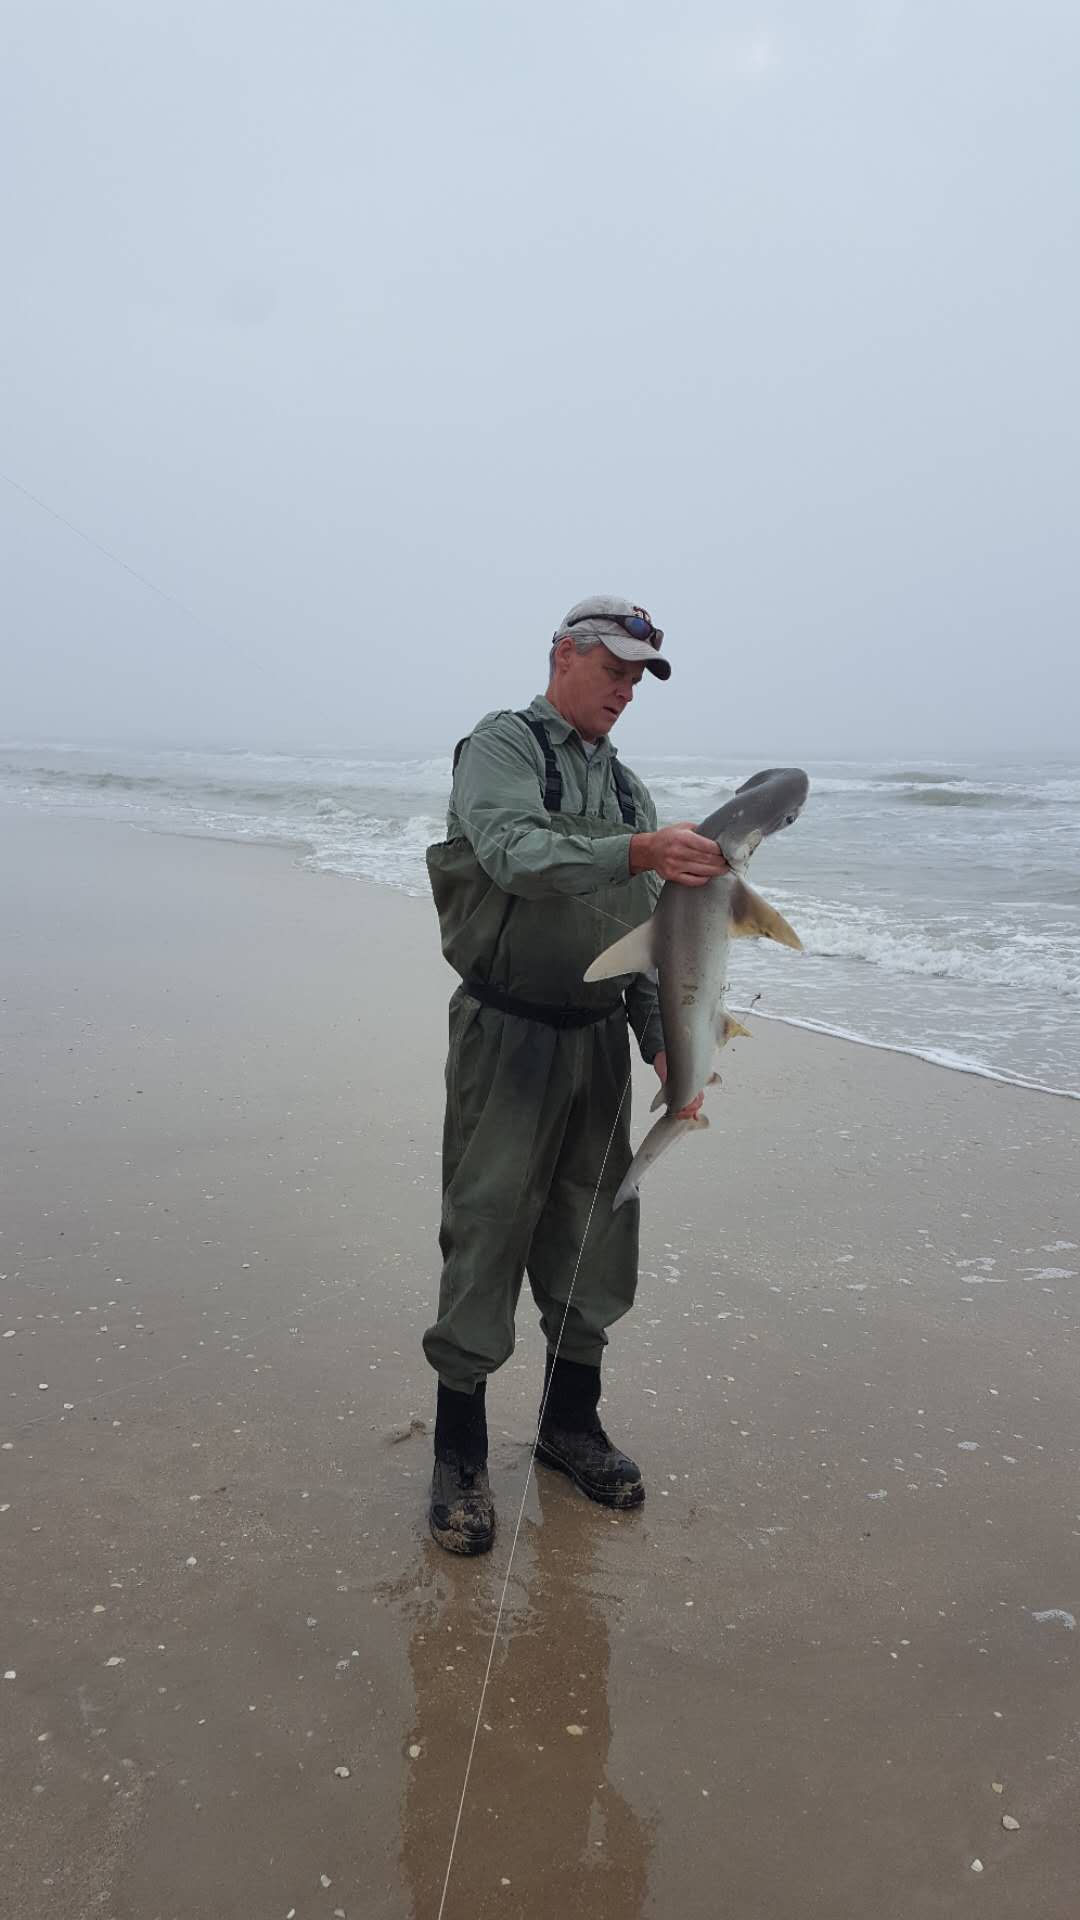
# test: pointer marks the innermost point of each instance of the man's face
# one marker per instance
(591, 689)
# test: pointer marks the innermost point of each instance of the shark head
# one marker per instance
(764, 804)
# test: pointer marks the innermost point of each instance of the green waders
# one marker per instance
(532, 1109)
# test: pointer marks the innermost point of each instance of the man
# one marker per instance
(552, 846)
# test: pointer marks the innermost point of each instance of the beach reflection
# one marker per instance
(543, 1830)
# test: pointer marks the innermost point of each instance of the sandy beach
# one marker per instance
(240, 1679)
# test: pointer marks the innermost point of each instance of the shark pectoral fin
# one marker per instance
(660, 1101)
(632, 954)
(699, 1120)
(713, 1080)
(728, 1028)
(751, 917)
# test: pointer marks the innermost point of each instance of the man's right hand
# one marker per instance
(677, 853)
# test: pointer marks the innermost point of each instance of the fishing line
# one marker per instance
(605, 913)
(181, 607)
(143, 579)
(521, 1511)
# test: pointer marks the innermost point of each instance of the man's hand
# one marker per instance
(685, 1113)
(677, 853)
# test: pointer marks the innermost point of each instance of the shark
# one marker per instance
(686, 942)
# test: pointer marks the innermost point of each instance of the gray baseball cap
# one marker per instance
(625, 629)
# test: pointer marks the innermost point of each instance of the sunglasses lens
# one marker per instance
(637, 625)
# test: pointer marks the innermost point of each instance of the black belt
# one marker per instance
(531, 1010)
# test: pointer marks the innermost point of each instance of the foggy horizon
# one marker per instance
(379, 341)
(644, 743)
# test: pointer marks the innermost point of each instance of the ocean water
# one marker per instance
(938, 902)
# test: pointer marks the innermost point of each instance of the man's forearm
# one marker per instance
(533, 861)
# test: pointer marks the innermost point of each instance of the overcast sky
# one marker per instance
(377, 334)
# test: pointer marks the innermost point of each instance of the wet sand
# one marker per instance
(850, 1379)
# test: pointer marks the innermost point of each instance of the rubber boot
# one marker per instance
(572, 1439)
(461, 1515)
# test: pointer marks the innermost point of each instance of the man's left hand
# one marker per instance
(685, 1113)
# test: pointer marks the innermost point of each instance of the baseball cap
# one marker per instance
(625, 629)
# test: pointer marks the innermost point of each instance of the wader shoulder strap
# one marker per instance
(552, 776)
(625, 795)
(553, 786)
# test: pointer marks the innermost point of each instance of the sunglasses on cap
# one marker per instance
(636, 624)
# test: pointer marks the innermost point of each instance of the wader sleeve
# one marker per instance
(642, 999)
(498, 802)
(643, 1009)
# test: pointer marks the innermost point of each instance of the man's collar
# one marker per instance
(558, 726)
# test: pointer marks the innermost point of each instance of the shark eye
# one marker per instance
(790, 818)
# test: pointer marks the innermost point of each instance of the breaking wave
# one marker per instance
(919, 790)
(936, 1056)
(940, 899)
(908, 777)
(62, 777)
(1019, 961)
(385, 849)
(428, 777)
(951, 796)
